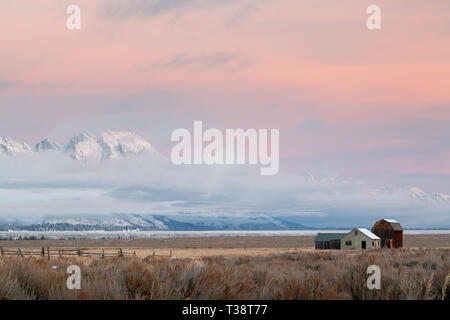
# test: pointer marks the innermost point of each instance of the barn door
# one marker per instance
(363, 244)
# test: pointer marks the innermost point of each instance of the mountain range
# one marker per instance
(195, 222)
(85, 146)
(149, 222)
(414, 193)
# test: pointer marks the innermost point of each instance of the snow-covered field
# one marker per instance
(175, 234)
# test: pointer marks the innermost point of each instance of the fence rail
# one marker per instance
(81, 252)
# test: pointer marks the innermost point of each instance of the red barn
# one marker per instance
(390, 231)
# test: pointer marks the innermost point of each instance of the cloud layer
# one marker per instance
(38, 185)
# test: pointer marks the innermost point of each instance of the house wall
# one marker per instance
(319, 244)
(398, 239)
(325, 245)
(335, 244)
(356, 241)
(384, 230)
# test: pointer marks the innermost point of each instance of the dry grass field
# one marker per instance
(209, 246)
(229, 268)
(406, 274)
(410, 241)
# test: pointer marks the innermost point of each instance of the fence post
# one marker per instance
(20, 252)
(103, 253)
(43, 251)
(48, 252)
(120, 252)
(1, 249)
(79, 252)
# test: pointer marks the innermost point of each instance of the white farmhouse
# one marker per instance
(360, 238)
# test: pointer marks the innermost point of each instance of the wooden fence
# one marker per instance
(48, 252)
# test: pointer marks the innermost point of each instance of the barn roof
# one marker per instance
(368, 233)
(329, 236)
(394, 224)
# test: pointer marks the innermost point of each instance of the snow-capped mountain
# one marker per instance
(112, 221)
(415, 194)
(419, 194)
(85, 146)
(150, 222)
(46, 145)
(107, 145)
(10, 147)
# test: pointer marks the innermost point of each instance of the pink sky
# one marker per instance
(361, 101)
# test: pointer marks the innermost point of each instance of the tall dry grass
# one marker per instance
(405, 274)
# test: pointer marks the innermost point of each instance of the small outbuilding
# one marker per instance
(326, 241)
(390, 231)
(360, 238)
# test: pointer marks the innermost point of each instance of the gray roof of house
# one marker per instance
(329, 236)
(394, 224)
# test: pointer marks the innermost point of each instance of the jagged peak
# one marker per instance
(86, 145)
(47, 145)
(11, 147)
(414, 193)
(107, 145)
